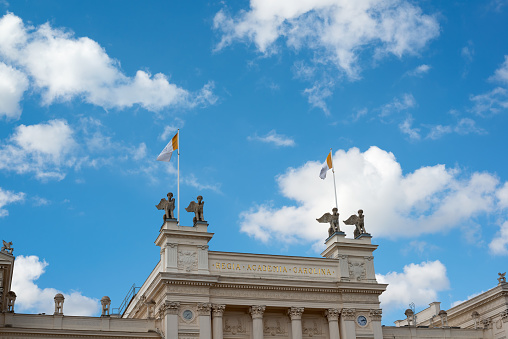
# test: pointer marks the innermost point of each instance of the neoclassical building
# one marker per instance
(195, 293)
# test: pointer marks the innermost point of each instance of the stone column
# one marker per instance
(171, 309)
(347, 323)
(375, 318)
(171, 254)
(257, 321)
(295, 313)
(204, 321)
(218, 311)
(203, 259)
(332, 314)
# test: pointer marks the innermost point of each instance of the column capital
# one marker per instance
(204, 308)
(171, 307)
(295, 313)
(348, 313)
(218, 310)
(332, 314)
(257, 311)
(376, 315)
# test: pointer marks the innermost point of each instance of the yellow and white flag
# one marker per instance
(168, 150)
(326, 166)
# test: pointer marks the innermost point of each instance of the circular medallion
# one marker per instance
(361, 320)
(187, 314)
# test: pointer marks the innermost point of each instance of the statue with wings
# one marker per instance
(197, 208)
(333, 219)
(168, 206)
(502, 278)
(6, 248)
(357, 220)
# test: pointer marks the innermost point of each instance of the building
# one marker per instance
(195, 293)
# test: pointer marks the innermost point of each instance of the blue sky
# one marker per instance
(411, 95)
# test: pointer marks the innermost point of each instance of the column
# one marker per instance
(203, 259)
(204, 321)
(347, 323)
(171, 251)
(257, 321)
(375, 318)
(295, 313)
(332, 314)
(171, 319)
(217, 313)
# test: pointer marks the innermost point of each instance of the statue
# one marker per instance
(333, 219)
(197, 208)
(168, 206)
(357, 220)
(502, 278)
(6, 248)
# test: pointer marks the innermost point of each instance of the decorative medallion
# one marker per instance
(361, 320)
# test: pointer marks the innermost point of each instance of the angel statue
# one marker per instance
(6, 248)
(168, 206)
(357, 220)
(502, 278)
(333, 219)
(197, 208)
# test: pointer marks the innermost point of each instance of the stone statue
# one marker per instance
(502, 278)
(168, 206)
(333, 219)
(197, 208)
(357, 220)
(6, 248)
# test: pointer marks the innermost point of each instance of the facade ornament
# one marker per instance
(376, 315)
(6, 248)
(333, 219)
(257, 311)
(59, 301)
(476, 317)
(106, 304)
(486, 323)
(502, 278)
(410, 317)
(444, 318)
(218, 310)
(357, 220)
(295, 313)
(204, 308)
(239, 328)
(332, 314)
(357, 271)
(11, 299)
(311, 331)
(168, 205)
(171, 307)
(277, 330)
(187, 260)
(348, 313)
(504, 316)
(150, 309)
(197, 208)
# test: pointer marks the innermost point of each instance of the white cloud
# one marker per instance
(499, 245)
(317, 94)
(419, 283)
(502, 195)
(501, 74)
(419, 71)
(431, 199)
(42, 149)
(398, 105)
(496, 100)
(406, 128)
(13, 84)
(9, 197)
(458, 302)
(463, 127)
(63, 67)
(273, 138)
(32, 298)
(336, 30)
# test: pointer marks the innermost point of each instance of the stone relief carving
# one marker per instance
(295, 312)
(486, 323)
(376, 314)
(276, 294)
(170, 307)
(187, 260)
(218, 310)
(257, 311)
(357, 270)
(234, 325)
(332, 314)
(275, 327)
(360, 297)
(311, 328)
(204, 308)
(348, 313)
(504, 316)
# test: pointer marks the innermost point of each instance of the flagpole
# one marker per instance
(334, 185)
(178, 185)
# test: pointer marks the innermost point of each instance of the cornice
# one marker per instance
(6, 332)
(458, 313)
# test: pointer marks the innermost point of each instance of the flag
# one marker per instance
(326, 166)
(168, 150)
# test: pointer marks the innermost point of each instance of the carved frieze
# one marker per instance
(358, 297)
(348, 313)
(375, 315)
(295, 312)
(274, 294)
(332, 314)
(234, 325)
(356, 270)
(311, 328)
(187, 260)
(275, 327)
